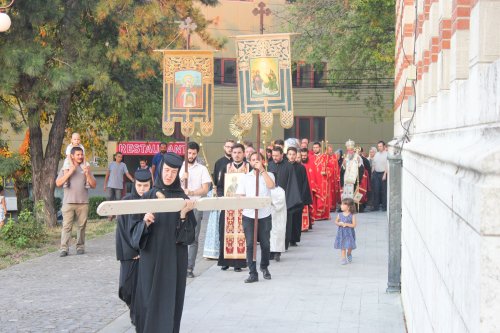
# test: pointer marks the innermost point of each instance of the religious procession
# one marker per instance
(222, 165)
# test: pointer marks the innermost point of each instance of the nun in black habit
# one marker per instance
(163, 263)
(125, 252)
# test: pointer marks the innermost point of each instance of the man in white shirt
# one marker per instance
(379, 177)
(247, 187)
(198, 183)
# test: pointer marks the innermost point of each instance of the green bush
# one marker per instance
(94, 202)
(25, 232)
(27, 204)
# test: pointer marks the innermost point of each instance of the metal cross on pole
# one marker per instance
(262, 12)
(187, 25)
(258, 11)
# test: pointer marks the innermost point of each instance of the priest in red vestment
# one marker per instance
(321, 192)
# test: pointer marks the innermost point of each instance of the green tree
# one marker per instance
(61, 59)
(355, 38)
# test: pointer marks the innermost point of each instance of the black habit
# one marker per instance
(218, 177)
(284, 174)
(305, 194)
(163, 265)
(125, 252)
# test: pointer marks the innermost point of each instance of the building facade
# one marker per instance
(319, 115)
(447, 95)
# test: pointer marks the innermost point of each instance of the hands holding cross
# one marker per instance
(149, 218)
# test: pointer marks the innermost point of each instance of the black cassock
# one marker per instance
(305, 195)
(284, 173)
(218, 175)
(221, 171)
(126, 253)
(161, 282)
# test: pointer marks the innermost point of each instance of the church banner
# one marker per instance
(188, 91)
(264, 78)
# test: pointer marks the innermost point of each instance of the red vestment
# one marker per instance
(321, 191)
(334, 173)
(364, 187)
(307, 211)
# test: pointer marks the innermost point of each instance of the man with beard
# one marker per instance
(157, 160)
(247, 188)
(308, 164)
(125, 252)
(284, 174)
(305, 195)
(351, 174)
(161, 281)
(75, 200)
(198, 180)
(231, 221)
(220, 165)
(304, 143)
(321, 192)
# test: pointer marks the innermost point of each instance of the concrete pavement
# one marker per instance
(309, 292)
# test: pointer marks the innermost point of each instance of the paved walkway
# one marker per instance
(309, 292)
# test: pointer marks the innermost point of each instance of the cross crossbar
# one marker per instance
(143, 206)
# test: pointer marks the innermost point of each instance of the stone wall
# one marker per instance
(451, 177)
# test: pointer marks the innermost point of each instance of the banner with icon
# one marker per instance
(188, 91)
(265, 78)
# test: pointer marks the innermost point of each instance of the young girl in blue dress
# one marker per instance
(346, 237)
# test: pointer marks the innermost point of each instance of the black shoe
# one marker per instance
(80, 251)
(252, 278)
(190, 274)
(63, 253)
(224, 268)
(277, 256)
(237, 269)
(266, 273)
(293, 244)
(271, 256)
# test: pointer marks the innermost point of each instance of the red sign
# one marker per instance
(177, 147)
(149, 148)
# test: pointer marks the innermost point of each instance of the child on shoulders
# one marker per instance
(75, 142)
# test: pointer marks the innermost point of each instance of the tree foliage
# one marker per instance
(356, 40)
(84, 64)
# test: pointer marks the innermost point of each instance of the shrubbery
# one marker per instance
(27, 204)
(93, 203)
(27, 231)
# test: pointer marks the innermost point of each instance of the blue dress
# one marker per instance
(346, 237)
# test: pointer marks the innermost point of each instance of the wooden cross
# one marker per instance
(262, 12)
(143, 206)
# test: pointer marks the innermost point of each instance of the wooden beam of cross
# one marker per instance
(143, 206)
(261, 11)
